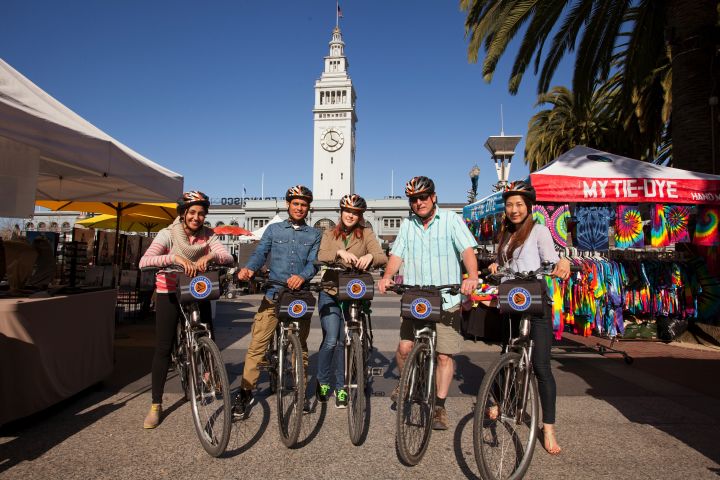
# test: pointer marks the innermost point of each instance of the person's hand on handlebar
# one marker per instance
(469, 285)
(189, 267)
(347, 257)
(202, 264)
(562, 269)
(364, 262)
(245, 274)
(295, 282)
(384, 283)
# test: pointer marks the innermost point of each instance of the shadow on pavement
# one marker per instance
(681, 397)
(246, 433)
(468, 375)
(463, 452)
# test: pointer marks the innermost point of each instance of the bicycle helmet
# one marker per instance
(418, 186)
(299, 191)
(193, 197)
(353, 202)
(519, 187)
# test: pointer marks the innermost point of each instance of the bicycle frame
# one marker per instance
(355, 323)
(429, 335)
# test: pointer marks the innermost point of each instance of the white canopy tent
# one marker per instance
(259, 232)
(49, 150)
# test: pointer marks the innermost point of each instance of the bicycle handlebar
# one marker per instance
(452, 289)
(315, 287)
(341, 267)
(175, 268)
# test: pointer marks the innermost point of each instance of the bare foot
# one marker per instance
(492, 412)
(550, 440)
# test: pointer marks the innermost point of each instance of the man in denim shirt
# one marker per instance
(293, 247)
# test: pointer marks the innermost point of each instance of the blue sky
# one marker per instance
(222, 91)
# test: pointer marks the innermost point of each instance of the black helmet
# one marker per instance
(193, 197)
(299, 191)
(519, 187)
(418, 186)
(353, 202)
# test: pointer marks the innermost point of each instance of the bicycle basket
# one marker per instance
(355, 286)
(523, 296)
(295, 305)
(421, 304)
(205, 286)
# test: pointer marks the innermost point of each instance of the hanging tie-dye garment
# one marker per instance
(559, 217)
(592, 227)
(677, 218)
(659, 232)
(706, 227)
(540, 215)
(628, 227)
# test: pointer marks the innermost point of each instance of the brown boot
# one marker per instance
(153, 417)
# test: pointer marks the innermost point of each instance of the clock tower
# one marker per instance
(334, 126)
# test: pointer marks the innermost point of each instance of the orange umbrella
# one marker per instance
(231, 230)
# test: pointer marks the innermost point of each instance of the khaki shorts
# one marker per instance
(449, 340)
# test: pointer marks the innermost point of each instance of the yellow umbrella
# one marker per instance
(128, 223)
(118, 209)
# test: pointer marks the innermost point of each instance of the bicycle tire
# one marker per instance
(211, 402)
(290, 392)
(357, 399)
(504, 435)
(414, 410)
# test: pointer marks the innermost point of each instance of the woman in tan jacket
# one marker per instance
(353, 245)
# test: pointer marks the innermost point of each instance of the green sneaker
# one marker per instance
(322, 392)
(341, 398)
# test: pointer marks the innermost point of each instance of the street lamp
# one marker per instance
(502, 149)
(474, 174)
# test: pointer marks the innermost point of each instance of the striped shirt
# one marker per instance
(432, 255)
(158, 255)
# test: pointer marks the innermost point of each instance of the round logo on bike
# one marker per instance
(297, 308)
(356, 289)
(420, 308)
(200, 287)
(519, 299)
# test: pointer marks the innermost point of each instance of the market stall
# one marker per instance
(47, 152)
(645, 236)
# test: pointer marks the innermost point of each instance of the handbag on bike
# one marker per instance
(524, 297)
(355, 286)
(204, 286)
(421, 304)
(482, 323)
(295, 305)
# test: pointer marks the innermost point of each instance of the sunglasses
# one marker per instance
(422, 198)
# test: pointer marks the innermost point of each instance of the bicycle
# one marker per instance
(285, 357)
(505, 423)
(416, 398)
(199, 363)
(356, 288)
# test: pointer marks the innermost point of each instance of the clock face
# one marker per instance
(331, 139)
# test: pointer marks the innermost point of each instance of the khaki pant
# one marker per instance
(262, 331)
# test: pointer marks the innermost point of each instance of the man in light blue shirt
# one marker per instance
(431, 244)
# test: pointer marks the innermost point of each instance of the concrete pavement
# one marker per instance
(657, 418)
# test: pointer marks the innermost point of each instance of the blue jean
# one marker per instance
(332, 349)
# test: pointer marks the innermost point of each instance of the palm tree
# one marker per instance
(681, 30)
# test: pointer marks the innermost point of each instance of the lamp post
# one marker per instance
(502, 149)
(474, 174)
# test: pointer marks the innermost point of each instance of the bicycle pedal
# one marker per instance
(377, 371)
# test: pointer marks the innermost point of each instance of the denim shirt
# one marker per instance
(292, 252)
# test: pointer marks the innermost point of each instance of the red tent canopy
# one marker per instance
(586, 175)
(231, 230)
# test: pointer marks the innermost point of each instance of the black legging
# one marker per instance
(542, 336)
(167, 312)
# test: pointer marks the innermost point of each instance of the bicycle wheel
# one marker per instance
(290, 392)
(505, 430)
(211, 405)
(416, 401)
(357, 400)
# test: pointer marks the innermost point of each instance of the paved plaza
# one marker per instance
(657, 418)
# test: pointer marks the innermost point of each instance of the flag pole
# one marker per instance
(337, 14)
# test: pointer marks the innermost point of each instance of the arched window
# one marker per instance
(324, 224)
(42, 227)
(219, 224)
(54, 227)
(207, 224)
(66, 227)
(30, 226)
(235, 223)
